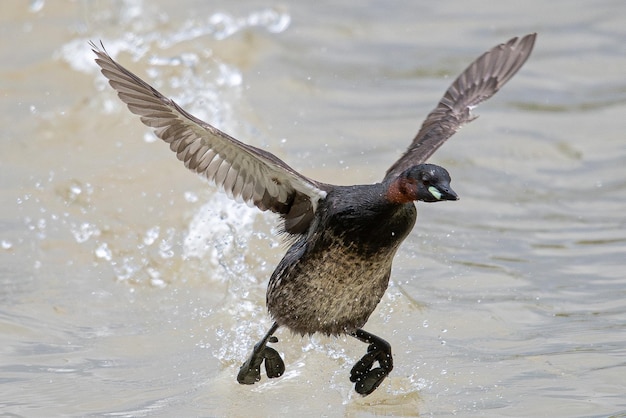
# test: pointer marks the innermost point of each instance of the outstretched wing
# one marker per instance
(243, 171)
(481, 80)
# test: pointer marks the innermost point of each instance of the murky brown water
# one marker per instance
(128, 287)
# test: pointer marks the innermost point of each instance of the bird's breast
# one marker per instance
(333, 279)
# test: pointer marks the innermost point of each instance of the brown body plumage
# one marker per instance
(344, 238)
(356, 235)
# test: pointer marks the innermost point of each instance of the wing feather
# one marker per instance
(242, 171)
(481, 80)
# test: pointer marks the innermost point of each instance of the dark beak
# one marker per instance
(441, 192)
(448, 194)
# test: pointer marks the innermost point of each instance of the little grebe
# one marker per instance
(344, 238)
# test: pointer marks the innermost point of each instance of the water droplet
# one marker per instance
(84, 231)
(157, 282)
(36, 6)
(75, 190)
(191, 197)
(104, 252)
(149, 137)
(151, 235)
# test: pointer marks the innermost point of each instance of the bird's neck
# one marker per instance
(398, 192)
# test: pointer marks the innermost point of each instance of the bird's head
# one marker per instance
(425, 182)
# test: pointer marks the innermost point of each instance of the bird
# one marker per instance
(341, 239)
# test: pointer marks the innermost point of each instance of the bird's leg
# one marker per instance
(365, 378)
(250, 371)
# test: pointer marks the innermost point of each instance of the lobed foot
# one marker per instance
(250, 371)
(366, 378)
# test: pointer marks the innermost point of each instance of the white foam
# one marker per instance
(217, 227)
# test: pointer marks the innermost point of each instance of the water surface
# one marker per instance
(130, 287)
